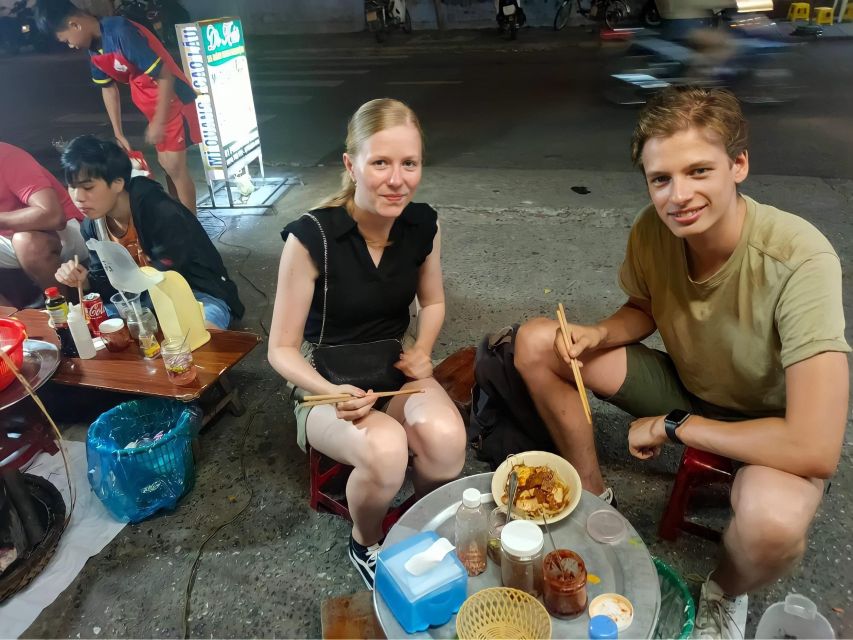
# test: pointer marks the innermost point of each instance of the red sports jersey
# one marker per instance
(131, 54)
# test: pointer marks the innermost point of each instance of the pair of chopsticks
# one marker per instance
(80, 292)
(576, 370)
(334, 398)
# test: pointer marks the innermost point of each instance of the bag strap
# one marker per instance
(325, 273)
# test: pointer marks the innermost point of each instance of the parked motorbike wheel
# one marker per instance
(615, 13)
(513, 29)
(407, 22)
(650, 15)
(564, 12)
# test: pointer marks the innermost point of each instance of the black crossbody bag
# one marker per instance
(366, 365)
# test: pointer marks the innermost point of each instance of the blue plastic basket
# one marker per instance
(136, 483)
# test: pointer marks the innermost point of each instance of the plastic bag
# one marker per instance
(677, 610)
(156, 470)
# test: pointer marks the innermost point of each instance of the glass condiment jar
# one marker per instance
(564, 583)
(178, 360)
(521, 556)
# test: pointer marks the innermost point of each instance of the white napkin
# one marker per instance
(422, 562)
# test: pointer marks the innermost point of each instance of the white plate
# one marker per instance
(537, 459)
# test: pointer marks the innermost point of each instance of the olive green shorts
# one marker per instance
(652, 388)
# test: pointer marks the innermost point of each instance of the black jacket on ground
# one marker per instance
(174, 240)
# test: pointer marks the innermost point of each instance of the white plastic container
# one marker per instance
(797, 617)
(80, 333)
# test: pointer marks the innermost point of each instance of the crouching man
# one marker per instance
(156, 229)
(747, 300)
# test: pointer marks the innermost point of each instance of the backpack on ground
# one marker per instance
(503, 418)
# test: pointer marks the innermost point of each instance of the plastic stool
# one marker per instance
(799, 11)
(848, 15)
(322, 471)
(697, 468)
(823, 15)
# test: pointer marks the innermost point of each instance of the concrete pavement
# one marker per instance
(515, 243)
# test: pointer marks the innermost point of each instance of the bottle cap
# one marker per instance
(606, 526)
(615, 606)
(522, 538)
(471, 498)
(51, 292)
(602, 628)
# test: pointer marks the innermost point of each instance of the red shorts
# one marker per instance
(182, 131)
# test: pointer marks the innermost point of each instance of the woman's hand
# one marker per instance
(357, 408)
(415, 363)
(71, 275)
(583, 338)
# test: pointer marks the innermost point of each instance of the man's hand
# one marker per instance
(583, 338)
(646, 436)
(71, 275)
(154, 133)
(415, 363)
(123, 143)
(357, 408)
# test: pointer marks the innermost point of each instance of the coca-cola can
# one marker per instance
(93, 307)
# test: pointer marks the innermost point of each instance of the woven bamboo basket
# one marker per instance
(502, 613)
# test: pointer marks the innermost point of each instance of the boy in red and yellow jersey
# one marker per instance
(123, 51)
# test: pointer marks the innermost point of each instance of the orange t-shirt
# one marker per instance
(130, 241)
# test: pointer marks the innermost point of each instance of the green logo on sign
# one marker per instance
(223, 40)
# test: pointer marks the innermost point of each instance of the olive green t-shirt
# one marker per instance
(776, 301)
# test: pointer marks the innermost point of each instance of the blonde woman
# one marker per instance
(349, 270)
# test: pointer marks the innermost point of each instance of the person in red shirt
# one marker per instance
(121, 50)
(39, 225)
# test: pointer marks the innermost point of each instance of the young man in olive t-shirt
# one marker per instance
(747, 300)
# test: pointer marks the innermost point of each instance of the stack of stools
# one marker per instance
(823, 15)
(799, 11)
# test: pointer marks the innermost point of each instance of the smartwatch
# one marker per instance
(673, 420)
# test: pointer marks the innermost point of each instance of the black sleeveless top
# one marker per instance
(365, 302)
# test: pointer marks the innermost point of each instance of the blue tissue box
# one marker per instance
(430, 599)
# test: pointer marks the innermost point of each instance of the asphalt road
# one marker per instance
(484, 102)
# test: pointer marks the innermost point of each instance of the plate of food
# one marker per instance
(547, 484)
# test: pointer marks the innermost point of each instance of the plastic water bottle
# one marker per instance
(472, 533)
(80, 332)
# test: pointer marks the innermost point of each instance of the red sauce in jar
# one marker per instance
(564, 583)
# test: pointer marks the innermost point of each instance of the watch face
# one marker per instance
(677, 416)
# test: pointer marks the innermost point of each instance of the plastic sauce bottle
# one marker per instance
(472, 533)
(80, 333)
(57, 309)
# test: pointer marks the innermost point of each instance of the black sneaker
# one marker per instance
(364, 559)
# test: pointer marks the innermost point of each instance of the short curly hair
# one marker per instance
(677, 109)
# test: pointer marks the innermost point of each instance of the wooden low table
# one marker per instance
(128, 372)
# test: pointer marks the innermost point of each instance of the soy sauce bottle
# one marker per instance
(57, 309)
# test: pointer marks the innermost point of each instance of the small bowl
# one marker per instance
(561, 466)
(501, 612)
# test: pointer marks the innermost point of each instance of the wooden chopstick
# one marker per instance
(314, 401)
(80, 290)
(567, 341)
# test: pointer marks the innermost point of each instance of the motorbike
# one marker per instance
(734, 52)
(510, 17)
(384, 15)
(612, 13)
(18, 31)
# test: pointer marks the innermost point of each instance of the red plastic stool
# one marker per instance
(697, 468)
(323, 471)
